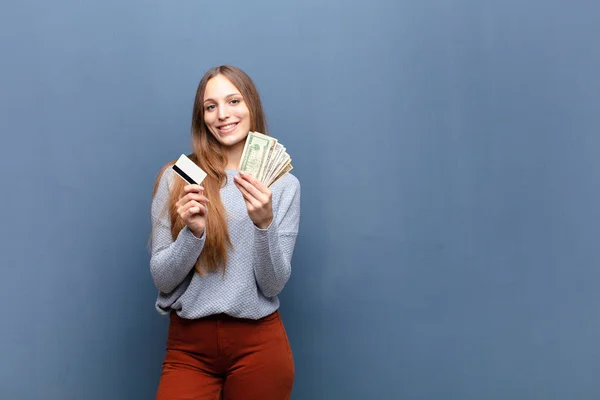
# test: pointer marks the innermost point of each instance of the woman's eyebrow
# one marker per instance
(228, 96)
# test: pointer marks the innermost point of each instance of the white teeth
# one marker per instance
(226, 126)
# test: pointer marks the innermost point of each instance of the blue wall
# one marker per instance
(448, 152)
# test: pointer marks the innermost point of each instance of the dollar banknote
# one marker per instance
(264, 158)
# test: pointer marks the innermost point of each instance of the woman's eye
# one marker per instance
(210, 107)
(235, 101)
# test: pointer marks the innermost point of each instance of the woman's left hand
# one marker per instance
(258, 199)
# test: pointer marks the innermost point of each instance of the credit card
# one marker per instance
(189, 171)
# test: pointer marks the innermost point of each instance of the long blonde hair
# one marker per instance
(209, 156)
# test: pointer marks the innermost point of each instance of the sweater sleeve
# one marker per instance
(274, 246)
(170, 261)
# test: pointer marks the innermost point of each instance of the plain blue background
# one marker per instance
(448, 155)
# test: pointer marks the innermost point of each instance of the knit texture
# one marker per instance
(258, 265)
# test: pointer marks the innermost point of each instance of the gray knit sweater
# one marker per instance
(258, 265)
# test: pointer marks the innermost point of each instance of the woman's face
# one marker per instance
(226, 114)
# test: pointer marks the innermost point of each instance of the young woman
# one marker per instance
(221, 254)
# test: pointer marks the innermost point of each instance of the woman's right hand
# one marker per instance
(192, 208)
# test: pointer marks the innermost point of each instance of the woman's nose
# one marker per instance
(223, 112)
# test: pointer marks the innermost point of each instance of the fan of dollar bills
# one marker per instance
(265, 158)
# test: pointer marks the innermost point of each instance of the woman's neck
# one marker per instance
(234, 154)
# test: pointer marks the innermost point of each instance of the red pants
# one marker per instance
(221, 357)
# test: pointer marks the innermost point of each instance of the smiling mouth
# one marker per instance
(227, 128)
